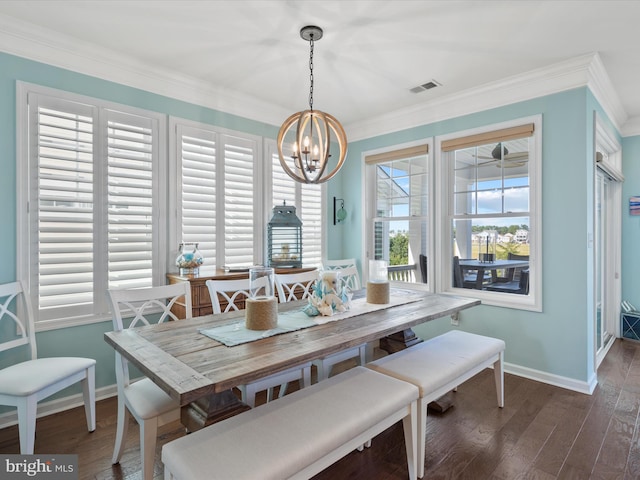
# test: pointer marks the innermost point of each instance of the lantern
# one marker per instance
(284, 238)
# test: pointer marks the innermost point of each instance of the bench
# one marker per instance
(439, 365)
(300, 434)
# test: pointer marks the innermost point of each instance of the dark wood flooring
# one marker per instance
(542, 433)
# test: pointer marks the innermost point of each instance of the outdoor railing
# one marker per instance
(402, 273)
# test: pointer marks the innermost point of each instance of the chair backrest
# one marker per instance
(233, 292)
(339, 264)
(140, 303)
(295, 286)
(15, 307)
(350, 277)
(515, 256)
(457, 273)
(423, 267)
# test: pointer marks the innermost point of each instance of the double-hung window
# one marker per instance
(398, 206)
(490, 223)
(89, 209)
(216, 194)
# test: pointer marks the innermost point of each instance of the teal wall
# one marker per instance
(85, 340)
(557, 340)
(630, 224)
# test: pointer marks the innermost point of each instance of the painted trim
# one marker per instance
(42, 45)
(551, 379)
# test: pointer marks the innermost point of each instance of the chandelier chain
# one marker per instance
(311, 73)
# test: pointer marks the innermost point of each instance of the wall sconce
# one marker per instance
(339, 214)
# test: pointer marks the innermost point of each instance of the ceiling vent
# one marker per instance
(426, 86)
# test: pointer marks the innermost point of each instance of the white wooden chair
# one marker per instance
(151, 406)
(302, 284)
(348, 271)
(24, 384)
(235, 292)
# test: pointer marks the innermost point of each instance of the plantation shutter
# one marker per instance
(307, 199)
(239, 202)
(64, 196)
(310, 212)
(197, 157)
(130, 200)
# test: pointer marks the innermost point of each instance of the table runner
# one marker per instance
(236, 333)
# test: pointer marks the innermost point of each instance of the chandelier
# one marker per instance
(310, 141)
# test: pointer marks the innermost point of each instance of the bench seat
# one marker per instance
(439, 365)
(300, 434)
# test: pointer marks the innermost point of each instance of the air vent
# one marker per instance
(425, 86)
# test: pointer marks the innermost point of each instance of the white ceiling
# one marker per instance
(373, 52)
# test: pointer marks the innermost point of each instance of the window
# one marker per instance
(308, 200)
(89, 214)
(216, 200)
(398, 203)
(491, 223)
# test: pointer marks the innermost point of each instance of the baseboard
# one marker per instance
(551, 379)
(58, 405)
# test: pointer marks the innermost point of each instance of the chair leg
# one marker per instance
(27, 409)
(148, 436)
(410, 427)
(122, 427)
(498, 372)
(89, 394)
(422, 433)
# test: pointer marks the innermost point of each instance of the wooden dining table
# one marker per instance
(199, 373)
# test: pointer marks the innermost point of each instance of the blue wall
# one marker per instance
(556, 341)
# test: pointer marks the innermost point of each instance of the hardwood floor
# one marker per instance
(542, 433)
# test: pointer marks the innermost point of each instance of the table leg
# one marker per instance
(211, 409)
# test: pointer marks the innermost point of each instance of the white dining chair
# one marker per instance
(234, 293)
(298, 286)
(348, 271)
(151, 406)
(24, 384)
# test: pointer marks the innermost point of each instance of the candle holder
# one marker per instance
(487, 243)
(378, 284)
(261, 311)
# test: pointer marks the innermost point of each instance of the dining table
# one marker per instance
(199, 372)
(482, 267)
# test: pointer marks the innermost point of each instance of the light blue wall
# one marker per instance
(86, 340)
(630, 224)
(556, 341)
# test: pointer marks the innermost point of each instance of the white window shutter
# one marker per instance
(129, 200)
(197, 199)
(239, 200)
(64, 175)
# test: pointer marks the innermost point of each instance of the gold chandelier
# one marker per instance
(310, 142)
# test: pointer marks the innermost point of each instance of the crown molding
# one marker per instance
(53, 48)
(586, 70)
(46, 46)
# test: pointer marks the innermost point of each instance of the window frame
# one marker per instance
(444, 193)
(26, 241)
(370, 198)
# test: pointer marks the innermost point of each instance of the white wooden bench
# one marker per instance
(298, 435)
(439, 365)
